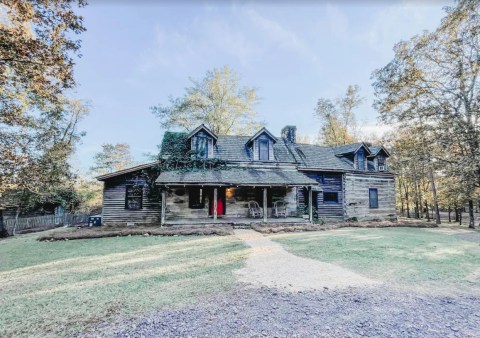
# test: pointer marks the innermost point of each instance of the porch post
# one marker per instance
(164, 207)
(215, 201)
(265, 206)
(310, 204)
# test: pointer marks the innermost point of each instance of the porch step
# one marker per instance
(241, 226)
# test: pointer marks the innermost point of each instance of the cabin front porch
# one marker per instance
(197, 204)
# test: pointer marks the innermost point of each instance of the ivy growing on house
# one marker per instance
(175, 155)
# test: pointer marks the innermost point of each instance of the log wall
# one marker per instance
(356, 191)
(236, 199)
(114, 211)
(329, 182)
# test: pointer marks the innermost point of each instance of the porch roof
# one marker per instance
(237, 176)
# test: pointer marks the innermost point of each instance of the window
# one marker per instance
(259, 197)
(196, 198)
(202, 146)
(361, 159)
(373, 197)
(330, 197)
(134, 197)
(263, 150)
(381, 163)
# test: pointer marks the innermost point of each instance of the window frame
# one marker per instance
(197, 143)
(370, 204)
(200, 195)
(127, 197)
(361, 152)
(333, 193)
(267, 145)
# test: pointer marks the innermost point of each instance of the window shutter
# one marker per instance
(210, 147)
(193, 143)
(271, 155)
(255, 150)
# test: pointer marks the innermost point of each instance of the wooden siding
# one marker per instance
(357, 196)
(329, 182)
(114, 211)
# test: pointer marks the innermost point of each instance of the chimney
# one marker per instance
(289, 133)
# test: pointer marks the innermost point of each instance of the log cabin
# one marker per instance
(310, 182)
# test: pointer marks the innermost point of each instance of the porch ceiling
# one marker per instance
(237, 176)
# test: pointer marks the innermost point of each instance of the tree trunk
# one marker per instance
(471, 223)
(435, 199)
(457, 218)
(426, 211)
(406, 199)
(460, 215)
(417, 206)
(449, 214)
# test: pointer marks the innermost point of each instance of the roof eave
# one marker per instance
(125, 171)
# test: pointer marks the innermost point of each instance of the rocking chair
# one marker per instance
(280, 209)
(254, 209)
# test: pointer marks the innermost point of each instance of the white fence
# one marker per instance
(39, 222)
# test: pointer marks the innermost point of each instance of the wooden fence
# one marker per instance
(48, 221)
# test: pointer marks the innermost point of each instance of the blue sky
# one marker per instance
(136, 54)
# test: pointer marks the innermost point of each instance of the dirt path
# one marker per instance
(272, 266)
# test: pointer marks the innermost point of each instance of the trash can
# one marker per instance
(95, 220)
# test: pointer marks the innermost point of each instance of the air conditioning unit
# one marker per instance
(381, 168)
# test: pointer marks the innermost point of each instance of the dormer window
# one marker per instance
(263, 150)
(202, 142)
(382, 163)
(201, 146)
(261, 145)
(361, 159)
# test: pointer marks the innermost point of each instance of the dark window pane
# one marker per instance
(373, 197)
(134, 197)
(263, 150)
(330, 197)
(259, 197)
(361, 159)
(202, 147)
(196, 198)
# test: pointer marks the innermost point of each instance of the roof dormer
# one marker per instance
(262, 145)
(202, 141)
(356, 152)
(379, 157)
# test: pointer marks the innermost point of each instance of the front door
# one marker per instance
(221, 205)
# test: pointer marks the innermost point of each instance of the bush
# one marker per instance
(3, 233)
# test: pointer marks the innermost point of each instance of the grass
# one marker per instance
(60, 288)
(432, 260)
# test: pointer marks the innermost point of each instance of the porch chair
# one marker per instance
(254, 209)
(280, 208)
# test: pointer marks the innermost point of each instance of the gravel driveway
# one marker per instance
(282, 295)
(372, 312)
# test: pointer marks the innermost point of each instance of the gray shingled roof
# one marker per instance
(233, 148)
(237, 176)
(349, 148)
(318, 157)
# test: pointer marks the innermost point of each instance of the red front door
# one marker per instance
(221, 206)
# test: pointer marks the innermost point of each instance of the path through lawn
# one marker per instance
(271, 265)
(60, 288)
(427, 260)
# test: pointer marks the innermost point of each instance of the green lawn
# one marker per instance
(430, 260)
(59, 288)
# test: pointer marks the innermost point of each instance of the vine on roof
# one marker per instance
(175, 155)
